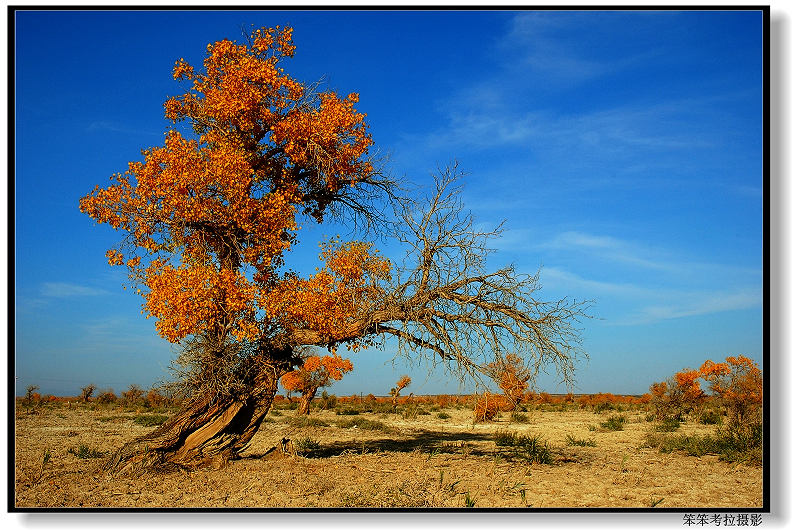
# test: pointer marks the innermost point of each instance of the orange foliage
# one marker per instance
(328, 300)
(317, 372)
(688, 385)
(404, 381)
(738, 383)
(208, 219)
(488, 405)
(512, 376)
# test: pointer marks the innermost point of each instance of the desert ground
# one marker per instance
(428, 457)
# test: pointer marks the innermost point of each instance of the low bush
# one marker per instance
(571, 440)
(362, 423)
(531, 449)
(85, 452)
(731, 446)
(519, 417)
(668, 424)
(710, 417)
(614, 423)
(150, 420)
(306, 447)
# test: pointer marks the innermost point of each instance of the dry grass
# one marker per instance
(383, 460)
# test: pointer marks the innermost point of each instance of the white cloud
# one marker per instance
(696, 304)
(637, 304)
(637, 254)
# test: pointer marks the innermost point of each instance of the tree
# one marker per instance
(87, 391)
(394, 393)
(738, 384)
(512, 376)
(316, 372)
(677, 396)
(209, 221)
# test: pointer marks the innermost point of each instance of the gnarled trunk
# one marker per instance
(305, 401)
(206, 432)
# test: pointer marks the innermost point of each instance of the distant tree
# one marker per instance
(316, 372)
(106, 396)
(394, 393)
(209, 219)
(133, 395)
(87, 391)
(31, 396)
(512, 376)
(677, 396)
(738, 384)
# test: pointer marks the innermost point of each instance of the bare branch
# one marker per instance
(443, 301)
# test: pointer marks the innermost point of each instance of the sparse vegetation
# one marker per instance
(429, 460)
(731, 446)
(668, 424)
(581, 442)
(150, 420)
(532, 449)
(306, 446)
(616, 422)
(362, 423)
(85, 452)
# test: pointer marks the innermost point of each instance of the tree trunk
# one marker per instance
(206, 432)
(305, 401)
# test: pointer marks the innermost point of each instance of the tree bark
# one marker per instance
(206, 432)
(305, 401)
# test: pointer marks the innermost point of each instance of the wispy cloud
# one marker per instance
(695, 304)
(637, 304)
(65, 290)
(535, 44)
(611, 248)
(637, 254)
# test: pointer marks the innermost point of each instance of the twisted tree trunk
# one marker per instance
(305, 401)
(206, 432)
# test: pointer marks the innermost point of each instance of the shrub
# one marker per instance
(106, 397)
(327, 402)
(487, 406)
(412, 411)
(710, 417)
(133, 396)
(307, 421)
(571, 440)
(531, 449)
(154, 399)
(668, 424)
(348, 411)
(84, 452)
(614, 423)
(730, 445)
(150, 420)
(443, 415)
(306, 447)
(442, 401)
(512, 376)
(518, 417)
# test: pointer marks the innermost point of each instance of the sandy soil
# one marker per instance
(424, 462)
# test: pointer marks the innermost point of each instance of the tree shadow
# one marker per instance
(421, 440)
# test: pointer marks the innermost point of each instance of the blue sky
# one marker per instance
(623, 150)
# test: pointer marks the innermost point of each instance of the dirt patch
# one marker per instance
(381, 460)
